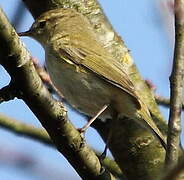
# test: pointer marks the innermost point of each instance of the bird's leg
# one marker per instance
(85, 127)
(113, 123)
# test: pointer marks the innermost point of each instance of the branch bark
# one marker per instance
(177, 172)
(40, 135)
(128, 142)
(24, 129)
(52, 115)
(165, 101)
(176, 84)
(129, 137)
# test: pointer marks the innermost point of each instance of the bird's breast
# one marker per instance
(83, 89)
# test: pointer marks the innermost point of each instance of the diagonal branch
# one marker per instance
(52, 115)
(127, 136)
(39, 134)
(23, 129)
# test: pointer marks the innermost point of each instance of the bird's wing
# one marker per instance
(102, 65)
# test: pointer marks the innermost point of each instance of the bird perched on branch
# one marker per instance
(90, 79)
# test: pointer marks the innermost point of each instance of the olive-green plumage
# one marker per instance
(84, 71)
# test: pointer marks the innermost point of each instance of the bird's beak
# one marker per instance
(26, 33)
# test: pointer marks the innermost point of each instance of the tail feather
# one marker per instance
(149, 123)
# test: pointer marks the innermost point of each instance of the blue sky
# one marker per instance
(143, 27)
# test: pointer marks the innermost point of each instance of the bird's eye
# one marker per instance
(42, 24)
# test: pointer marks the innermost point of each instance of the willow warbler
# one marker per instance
(84, 71)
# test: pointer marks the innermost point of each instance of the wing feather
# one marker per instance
(102, 65)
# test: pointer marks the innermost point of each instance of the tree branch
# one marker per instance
(176, 173)
(24, 129)
(162, 100)
(165, 101)
(52, 115)
(176, 84)
(39, 134)
(7, 93)
(128, 136)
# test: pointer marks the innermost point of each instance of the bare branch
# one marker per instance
(128, 135)
(176, 173)
(176, 83)
(162, 100)
(52, 115)
(46, 79)
(24, 129)
(39, 134)
(165, 101)
(7, 93)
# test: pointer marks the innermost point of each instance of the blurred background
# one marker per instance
(147, 29)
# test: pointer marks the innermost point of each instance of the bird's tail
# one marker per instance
(150, 124)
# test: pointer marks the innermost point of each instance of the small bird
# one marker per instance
(88, 76)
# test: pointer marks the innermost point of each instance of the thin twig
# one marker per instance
(24, 129)
(39, 134)
(165, 101)
(46, 79)
(176, 83)
(162, 101)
